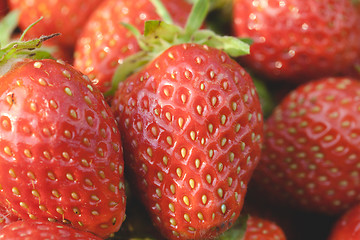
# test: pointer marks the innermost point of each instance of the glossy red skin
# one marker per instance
(66, 17)
(258, 228)
(7, 217)
(162, 101)
(348, 225)
(42, 142)
(312, 141)
(104, 42)
(30, 229)
(296, 40)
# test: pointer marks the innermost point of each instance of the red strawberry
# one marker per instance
(347, 227)
(60, 150)
(192, 128)
(312, 147)
(29, 229)
(105, 42)
(7, 217)
(66, 17)
(258, 228)
(297, 40)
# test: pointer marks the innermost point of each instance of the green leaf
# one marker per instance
(197, 17)
(237, 231)
(7, 26)
(162, 11)
(234, 47)
(25, 48)
(130, 65)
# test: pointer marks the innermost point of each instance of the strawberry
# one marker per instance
(7, 217)
(30, 229)
(192, 131)
(311, 147)
(347, 226)
(296, 40)
(258, 228)
(60, 150)
(66, 17)
(104, 42)
(191, 125)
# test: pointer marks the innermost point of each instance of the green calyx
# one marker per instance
(160, 35)
(20, 48)
(237, 231)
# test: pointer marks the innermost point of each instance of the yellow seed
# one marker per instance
(51, 176)
(208, 178)
(35, 193)
(179, 172)
(171, 207)
(187, 217)
(16, 191)
(8, 151)
(192, 183)
(55, 193)
(37, 64)
(172, 221)
(186, 200)
(24, 205)
(60, 210)
(74, 195)
(76, 210)
(172, 188)
(73, 114)
(12, 173)
(68, 91)
(101, 174)
(31, 175)
(200, 216)
(69, 177)
(47, 155)
(204, 199)
(95, 213)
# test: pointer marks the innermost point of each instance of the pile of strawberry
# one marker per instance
(186, 119)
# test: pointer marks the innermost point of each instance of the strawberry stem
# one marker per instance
(196, 18)
(162, 11)
(8, 25)
(28, 28)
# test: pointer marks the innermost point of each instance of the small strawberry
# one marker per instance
(311, 149)
(191, 125)
(66, 17)
(297, 40)
(347, 227)
(7, 217)
(30, 229)
(258, 228)
(105, 42)
(60, 150)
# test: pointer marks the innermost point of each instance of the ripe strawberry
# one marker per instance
(192, 128)
(7, 217)
(347, 227)
(66, 17)
(30, 229)
(296, 40)
(60, 150)
(105, 42)
(258, 228)
(311, 148)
